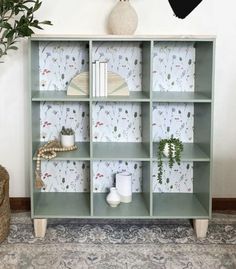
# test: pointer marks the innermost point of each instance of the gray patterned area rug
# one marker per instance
(119, 245)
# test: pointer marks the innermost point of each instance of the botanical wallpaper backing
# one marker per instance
(65, 176)
(54, 115)
(59, 62)
(173, 119)
(173, 68)
(177, 179)
(123, 58)
(117, 122)
(104, 174)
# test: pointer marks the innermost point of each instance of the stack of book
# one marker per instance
(99, 79)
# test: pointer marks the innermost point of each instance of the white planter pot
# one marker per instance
(166, 150)
(67, 141)
(113, 198)
(124, 186)
(123, 19)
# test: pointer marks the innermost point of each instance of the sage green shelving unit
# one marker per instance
(146, 205)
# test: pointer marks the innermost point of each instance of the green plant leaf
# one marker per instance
(46, 22)
(13, 48)
(17, 20)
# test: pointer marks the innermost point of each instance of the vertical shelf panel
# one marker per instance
(201, 184)
(204, 67)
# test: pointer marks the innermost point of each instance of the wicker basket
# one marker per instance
(4, 204)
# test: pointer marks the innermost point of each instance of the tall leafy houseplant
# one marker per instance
(17, 18)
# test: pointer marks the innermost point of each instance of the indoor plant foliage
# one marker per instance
(173, 147)
(67, 131)
(16, 21)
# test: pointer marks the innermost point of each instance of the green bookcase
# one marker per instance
(146, 204)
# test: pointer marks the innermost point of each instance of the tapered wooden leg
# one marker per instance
(40, 227)
(200, 227)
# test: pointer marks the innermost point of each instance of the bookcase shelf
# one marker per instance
(182, 97)
(56, 96)
(135, 96)
(178, 205)
(136, 209)
(170, 83)
(61, 205)
(120, 151)
(81, 153)
(192, 152)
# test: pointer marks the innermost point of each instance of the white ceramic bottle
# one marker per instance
(124, 186)
(113, 198)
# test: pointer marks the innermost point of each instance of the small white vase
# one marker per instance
(113, 198)
(123, 19)
(67, 141)
(166, 150)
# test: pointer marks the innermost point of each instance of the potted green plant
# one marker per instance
(67, 137)
(16, 21)
(170, 148)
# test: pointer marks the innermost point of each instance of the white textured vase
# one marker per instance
(113, 198)
(124, 186)
(123, 19)
(67, 141)
(166, 150)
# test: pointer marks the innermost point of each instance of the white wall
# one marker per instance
(155, 17)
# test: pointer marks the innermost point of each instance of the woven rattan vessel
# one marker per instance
(4, 204)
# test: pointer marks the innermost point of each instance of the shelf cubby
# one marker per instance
(182, 71)
(140, 205)
(54, 64)
(121, 130)
(61, 205)
(192, 202)
(131, 60)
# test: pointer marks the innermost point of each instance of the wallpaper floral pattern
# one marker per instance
(173, 70)
(65, 176)
(123, 58)
(117, 122)
(59, 62)
(104, 174)
(173, 66)
(173, 119)
(54, 115)
(177, 179)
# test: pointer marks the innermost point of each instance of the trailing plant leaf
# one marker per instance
(16, 21)
(175, 147)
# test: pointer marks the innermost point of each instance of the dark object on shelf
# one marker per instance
(4, 204)
(182, 8)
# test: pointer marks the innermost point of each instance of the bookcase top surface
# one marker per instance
(124, 37)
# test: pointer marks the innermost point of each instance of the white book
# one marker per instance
(105, 80)
(94, 80)
(97, 76)
(102, 79)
